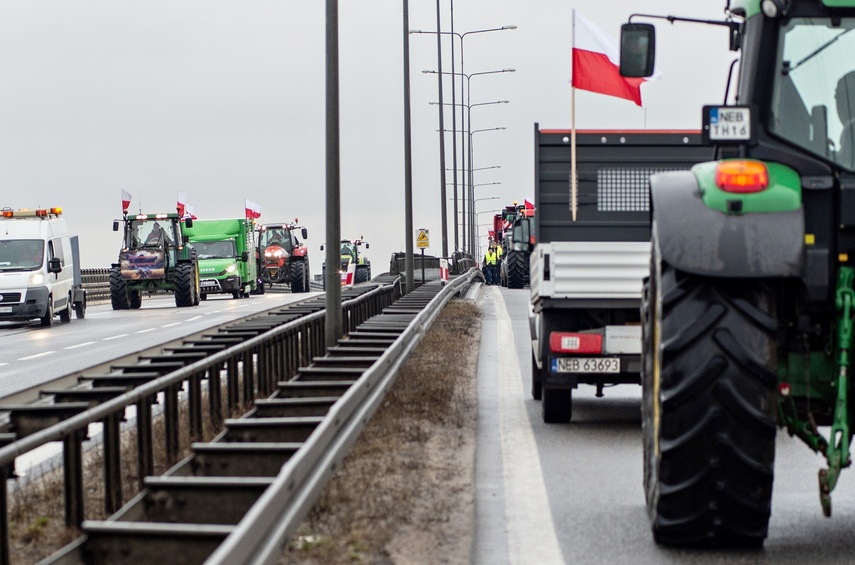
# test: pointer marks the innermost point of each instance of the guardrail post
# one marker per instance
(248, 377)
(215, 397)
(194, 407)
(72, 459)
(171, 422)
(112, 463)
(145, 447)
(232, 392)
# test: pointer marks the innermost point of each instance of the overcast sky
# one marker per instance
(224, 100)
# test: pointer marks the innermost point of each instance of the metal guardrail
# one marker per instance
(268, 526)
(96, 282)
(245, 463)
(253, 355)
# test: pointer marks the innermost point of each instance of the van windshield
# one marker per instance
(21, 254)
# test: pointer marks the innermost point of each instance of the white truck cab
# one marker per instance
(39, 267)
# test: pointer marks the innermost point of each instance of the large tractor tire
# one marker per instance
(134, 299)
(363, 274)
(184, 285)
(708, 408)
(118, 290)
(516, 269)
(298, 277)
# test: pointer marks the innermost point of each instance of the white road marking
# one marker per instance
(84, 344)
(114, 337)
(3, 364)
(530, 530)
(170, 325)
(193, 318)
(36, 356)
(145, 331)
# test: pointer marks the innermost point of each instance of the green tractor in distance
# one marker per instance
(154, 256)
(747, 315)
(349, 250)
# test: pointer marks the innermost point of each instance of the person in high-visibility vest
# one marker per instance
(491, 264)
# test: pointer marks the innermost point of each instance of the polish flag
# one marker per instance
(182, 204)
(528, 204)
(596, 63)
(126, 200)
(253, 210)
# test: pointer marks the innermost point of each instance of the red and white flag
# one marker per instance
(528, 204)
(182, 204)
(596, 63)
(126, 200)
(253, 210)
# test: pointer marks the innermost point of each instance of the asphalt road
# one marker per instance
(572, 493)
(31, 355)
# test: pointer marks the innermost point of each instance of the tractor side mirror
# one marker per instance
(244, 256)
(305, 233)
(188, 222)
(115, 225)
(637, 50)
(54, 266)
(367, 246)
(322, 247)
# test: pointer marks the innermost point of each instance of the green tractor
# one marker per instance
(154, 257)
(747, 316)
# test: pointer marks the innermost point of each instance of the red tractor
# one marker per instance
(282, 257)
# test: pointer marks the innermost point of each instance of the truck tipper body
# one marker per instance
(586, 275)
(226, 253)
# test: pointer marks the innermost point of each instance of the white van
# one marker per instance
(39, 267)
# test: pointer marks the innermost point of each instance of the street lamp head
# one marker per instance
(509, 70)
(509, 27)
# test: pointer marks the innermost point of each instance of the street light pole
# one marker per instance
(333, 317)
(443, 211)
(462, 37)
(408, 161)
(473, 231)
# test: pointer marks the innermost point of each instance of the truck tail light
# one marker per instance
(566, 342)
(742, 176)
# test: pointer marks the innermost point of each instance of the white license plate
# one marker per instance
(5, 309)
(586, 365)
(209, 283)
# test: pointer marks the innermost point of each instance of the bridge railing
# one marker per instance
(253, 365)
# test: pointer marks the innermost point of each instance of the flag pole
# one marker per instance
(573, 194)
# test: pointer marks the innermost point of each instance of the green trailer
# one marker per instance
(225, 249)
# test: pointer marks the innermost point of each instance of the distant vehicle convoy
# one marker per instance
(225, 250)
(39, 267)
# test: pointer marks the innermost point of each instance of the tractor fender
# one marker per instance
(299, 252)
(703, 241)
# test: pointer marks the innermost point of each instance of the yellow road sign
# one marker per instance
(423, 239)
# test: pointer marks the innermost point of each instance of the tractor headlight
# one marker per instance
(774, 8)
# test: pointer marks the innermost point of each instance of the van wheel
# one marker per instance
(47, 319)
(65, 314)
